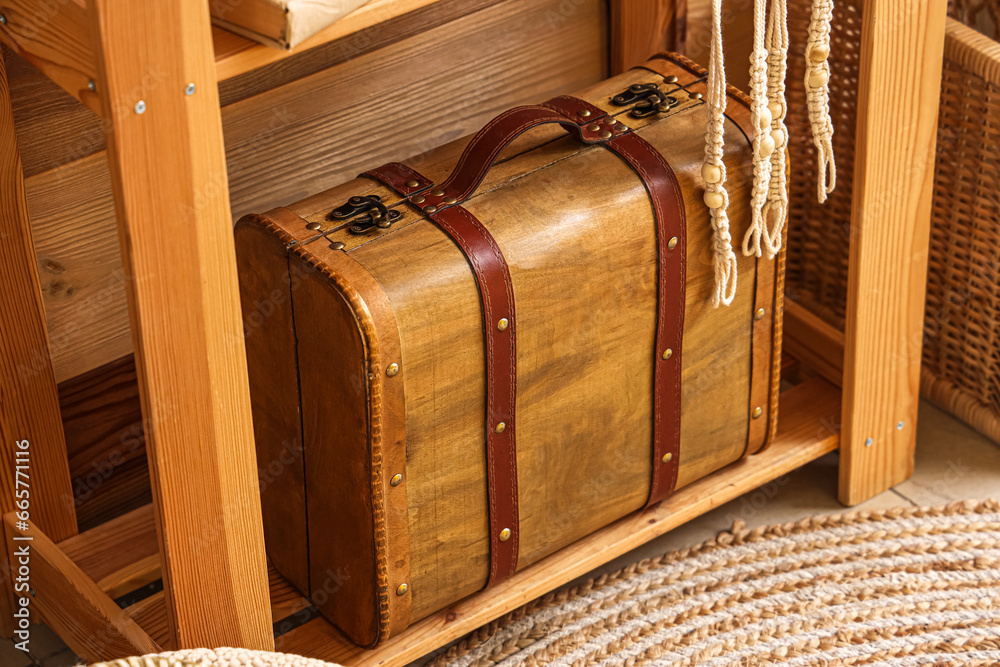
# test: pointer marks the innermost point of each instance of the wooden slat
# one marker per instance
(169, 178)
(83, 616)
(29, 407)
(54, 37)
(900, 83)
(806, 431)
(235, 55)
(814, 342)
(640, 28)
(120, 555)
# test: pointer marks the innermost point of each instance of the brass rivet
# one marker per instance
(437, 192)
(430, 209)
(672, 243)
(505, 534)
(392, 370)
(593, 127)
(313, 225)
(666, 457)
(503, 324)
(759, 315)
(696, 96)
(401, 589)
(610, 120)
(449, 200)
(605, 135)
(757, 412)
(337, 245)
(501, 427)
(667, 353)
(419, 199)
(412, 184)
(396, 480)
(670, 79)
(583, 113)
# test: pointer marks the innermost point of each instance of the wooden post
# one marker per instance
(641, 28)
(901, 54)
(29, 404)
(157, 79)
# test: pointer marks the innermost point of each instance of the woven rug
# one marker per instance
(912, 586)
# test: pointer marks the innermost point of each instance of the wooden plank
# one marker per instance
(900, 82)
(105, 442)
(640, 28)
(53, 36)
(280, 24)
(120, 555)
(737, 37)
(235, 55)
(69, 602)
(807, 430)
(171, 194)
(29, 407)
(814, 342)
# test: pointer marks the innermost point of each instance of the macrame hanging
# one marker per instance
(714, 171)
(817, 82)
(768, 65)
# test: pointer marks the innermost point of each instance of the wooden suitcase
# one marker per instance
(463, 363)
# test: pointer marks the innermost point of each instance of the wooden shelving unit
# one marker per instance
(202, 534)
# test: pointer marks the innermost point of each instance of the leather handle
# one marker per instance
(588, 123)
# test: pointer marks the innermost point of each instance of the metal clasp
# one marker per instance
(369, 211)
(647, 98)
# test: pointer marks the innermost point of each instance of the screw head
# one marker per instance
(337, 245)
(583, 113)
(505, 534)
(412, 184)
(437, 192)
(672, 243)
(501, 427)
(670, 79)
(189, 89)
(503, 324)
(449, 200)
(402, 588)
(899, 426)
(667, 353)
(419, 199)
(667, 457)
(313, 225)
(869, 442)
(3, 20)
(757, 412)
(91, 85)
(430, 209)
(140, 106)
(396, 480)
(696, 96)
(759, 315)
(392, 370)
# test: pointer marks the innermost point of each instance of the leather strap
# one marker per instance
(399, 177)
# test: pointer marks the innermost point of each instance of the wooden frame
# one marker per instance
(202, 534)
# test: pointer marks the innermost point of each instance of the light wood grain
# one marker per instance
(814, 342)
(641, 28)
(70, 603)
(900, 82)
(806, 432)
(169, 179)
(29, 406)
(110, 553)
(55, 38)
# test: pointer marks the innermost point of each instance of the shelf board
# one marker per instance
(810, 413)
(236, 55)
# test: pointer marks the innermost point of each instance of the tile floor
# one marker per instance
(953, 463)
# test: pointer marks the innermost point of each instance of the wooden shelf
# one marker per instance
(806, 431)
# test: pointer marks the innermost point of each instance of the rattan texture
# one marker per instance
(909, 586)
(961, 347)
(218, 657)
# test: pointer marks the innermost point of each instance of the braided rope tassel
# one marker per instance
(714, 170)
(760, 116)
(776, 208)
(817, 82)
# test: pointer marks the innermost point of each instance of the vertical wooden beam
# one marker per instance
(900, 83)
(640, 28)
(29, 404)
(168, 168)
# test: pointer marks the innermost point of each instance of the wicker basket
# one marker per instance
(961, 351)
